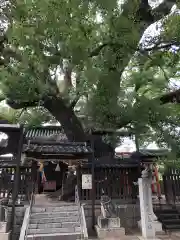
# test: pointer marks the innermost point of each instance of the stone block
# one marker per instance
(3, 227)
(115, 233)
(113, 222)
(129, 214)
(156, 224)
(5, 236)
(142, 238)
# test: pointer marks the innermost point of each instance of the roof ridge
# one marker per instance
(43, 127)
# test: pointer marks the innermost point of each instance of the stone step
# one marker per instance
(54, 230)
(54, 214)
(166, 211)
(44, 220)
(54, 225)
(173, 227)
(169, 215)
(55, 209)
(55, 236)
(171, 221)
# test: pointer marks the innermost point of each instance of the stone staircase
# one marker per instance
(54, 222)
(170, 219)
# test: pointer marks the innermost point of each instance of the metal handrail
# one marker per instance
(24, 225)
(30, 207)
(85, 232)
(82, 213)
(27, 216)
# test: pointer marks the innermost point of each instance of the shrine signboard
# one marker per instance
(86, 181)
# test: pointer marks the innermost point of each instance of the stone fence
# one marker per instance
(18, 220)
(128, 213)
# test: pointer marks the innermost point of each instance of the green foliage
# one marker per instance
(117, 87)
(31, 117)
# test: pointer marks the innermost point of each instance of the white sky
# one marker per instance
(129, 146)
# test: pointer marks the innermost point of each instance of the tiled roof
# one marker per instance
(114, 162)
(154, 152)
(114, 165)
(44, 131)
(61, 148)
(149, 153)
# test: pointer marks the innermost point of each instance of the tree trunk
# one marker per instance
(67, 118)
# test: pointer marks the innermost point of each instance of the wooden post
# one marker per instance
(16, 180)
(34, 177)
(78, 181)
(137, 142)
(93, 192)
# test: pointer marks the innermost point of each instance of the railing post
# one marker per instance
(76, 194)
(93, 191)
(78, 182)
(16, 180)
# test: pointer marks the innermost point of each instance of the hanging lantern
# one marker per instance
(57, 168)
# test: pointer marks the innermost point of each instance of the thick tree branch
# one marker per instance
(74, 102)
(157, 46)
(163, 9)
(160, 46)
(172, 97)
(2, 98)
(95, 52)
(15, 104)
(66, 116)
(144, 14)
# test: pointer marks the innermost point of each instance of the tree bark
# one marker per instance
(67, 118)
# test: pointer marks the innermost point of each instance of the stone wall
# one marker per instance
(88, 214)
(18, 220)
(128, 213)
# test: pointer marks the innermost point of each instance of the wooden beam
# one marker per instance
(57, 157)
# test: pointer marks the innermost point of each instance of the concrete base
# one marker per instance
(3, 227)
(142, 238)
(5, 236)
(115, 233)
(176, 234)
(157, 226)
(113, 222)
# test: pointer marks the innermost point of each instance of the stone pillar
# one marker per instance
(156, 223)
(154, 218)
(148, 231)
(148, 223)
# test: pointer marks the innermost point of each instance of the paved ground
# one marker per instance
(174, 236)
(42, 199)
(136, 235)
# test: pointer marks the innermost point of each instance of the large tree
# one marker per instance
(90, 43)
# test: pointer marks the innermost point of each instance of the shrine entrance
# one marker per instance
(51, 176)
(57, 161)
